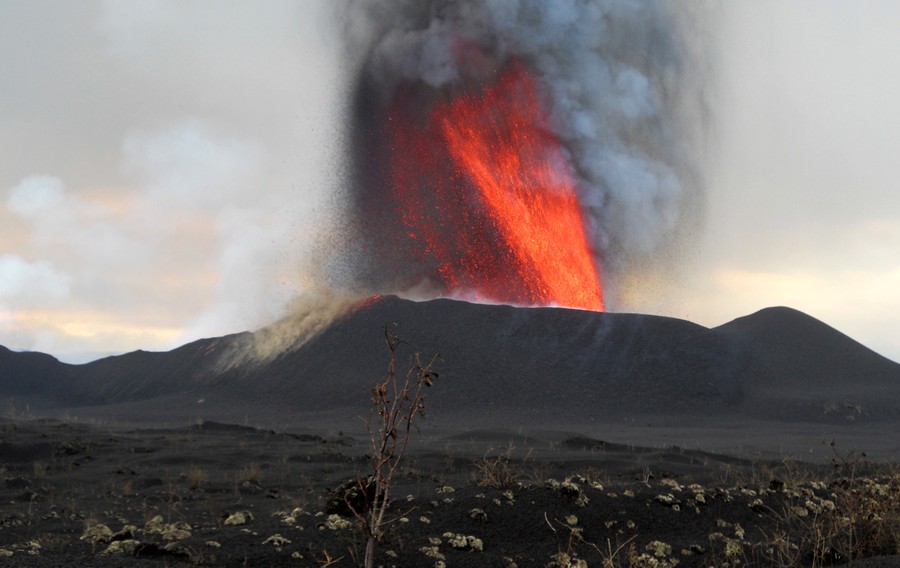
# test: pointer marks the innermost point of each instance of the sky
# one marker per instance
(804, 180)
(173, 170)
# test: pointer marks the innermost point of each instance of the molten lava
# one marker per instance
(486, 196)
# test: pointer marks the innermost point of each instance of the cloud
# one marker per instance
(189, 168)
(199, 235)
(130, 28)
(36, 195)
(170, 163)
(30, 284)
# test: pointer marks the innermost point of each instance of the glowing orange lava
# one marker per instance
(528, 189)
(486, 193)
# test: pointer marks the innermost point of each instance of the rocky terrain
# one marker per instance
(222, 495)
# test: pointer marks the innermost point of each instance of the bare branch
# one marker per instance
(396, 402)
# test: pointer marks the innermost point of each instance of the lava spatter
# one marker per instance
(486, 195)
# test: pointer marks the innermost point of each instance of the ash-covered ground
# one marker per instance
(214, 494)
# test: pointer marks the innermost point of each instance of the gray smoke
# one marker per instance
(619, 82)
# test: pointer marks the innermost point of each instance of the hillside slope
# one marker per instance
(546, 365)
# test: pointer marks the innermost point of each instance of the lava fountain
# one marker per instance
(522, 152)
(485, 197)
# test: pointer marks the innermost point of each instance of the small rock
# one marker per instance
(156, 524)
(337, 522)
(127, 546)
(432, 552)
(658, 548)
(97, 533)
(239, 518)
(277, 540)
(464, 542)
(668, 500)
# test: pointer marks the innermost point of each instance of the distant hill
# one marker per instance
(543, 364)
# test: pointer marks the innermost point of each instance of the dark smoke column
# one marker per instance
(612, 83)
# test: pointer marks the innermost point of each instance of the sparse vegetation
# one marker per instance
(496, 471)
(854, 515)
(396, 402)
(251, 474)
(584, 508)
(196, 477)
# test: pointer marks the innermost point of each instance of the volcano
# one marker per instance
(482, 201)
(501, 365)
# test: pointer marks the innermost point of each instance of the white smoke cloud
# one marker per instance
(196, 232)
(191, 174)
(192, 148)
(130, 28)
(195, 208)
(189, 168)
(81, 236)
(36, 195)
(30, 284)
(616, 76)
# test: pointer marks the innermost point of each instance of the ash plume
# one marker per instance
(619, 83)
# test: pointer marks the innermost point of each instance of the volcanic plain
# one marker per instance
(551, 438)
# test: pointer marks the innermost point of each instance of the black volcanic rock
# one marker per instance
(540, 365)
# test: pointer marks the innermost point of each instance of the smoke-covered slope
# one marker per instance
(536, 364)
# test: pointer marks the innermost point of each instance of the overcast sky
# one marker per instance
(804, 183)
(168, 170)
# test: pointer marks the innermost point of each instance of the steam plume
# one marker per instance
(616, 77)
